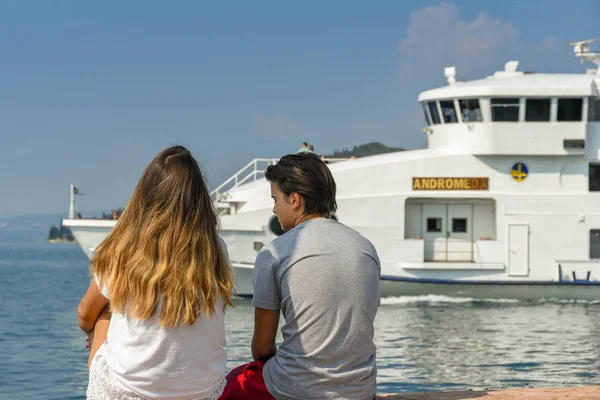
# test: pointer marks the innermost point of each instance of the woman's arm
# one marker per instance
(90, 307)
(99, 333)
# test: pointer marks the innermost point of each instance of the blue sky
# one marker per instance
(91, 91)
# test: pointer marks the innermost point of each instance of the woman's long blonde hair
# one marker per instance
(166, 247)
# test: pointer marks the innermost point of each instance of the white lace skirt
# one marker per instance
(103, 385)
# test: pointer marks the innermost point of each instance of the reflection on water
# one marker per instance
(424, 343)
(438, 343)
(432, 343)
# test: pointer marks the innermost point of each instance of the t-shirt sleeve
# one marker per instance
(224, 246)
(266, 288)
(103, 289)
(378, 262)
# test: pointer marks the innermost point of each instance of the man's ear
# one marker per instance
(296, 200)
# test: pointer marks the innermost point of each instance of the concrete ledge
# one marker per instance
(569, 393)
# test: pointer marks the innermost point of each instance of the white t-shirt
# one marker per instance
(168, 363)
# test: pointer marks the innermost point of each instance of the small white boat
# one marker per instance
(504, 202)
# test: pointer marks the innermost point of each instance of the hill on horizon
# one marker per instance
(364, 150)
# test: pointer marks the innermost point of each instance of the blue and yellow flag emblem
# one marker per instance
(519, 172)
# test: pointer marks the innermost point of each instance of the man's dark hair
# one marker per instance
(305, 144)
(307, 175)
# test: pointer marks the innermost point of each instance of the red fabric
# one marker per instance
(246, 382)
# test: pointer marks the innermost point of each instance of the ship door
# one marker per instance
(448, 232)
(460, 232)
(435, 217)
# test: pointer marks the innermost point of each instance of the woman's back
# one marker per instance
(187, 362)
(165, 273)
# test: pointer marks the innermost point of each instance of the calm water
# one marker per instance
(424, 344)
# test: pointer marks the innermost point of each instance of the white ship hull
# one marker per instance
(90, 233)
(500, 290)
(516, 245)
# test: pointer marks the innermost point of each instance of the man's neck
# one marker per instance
(306, 217)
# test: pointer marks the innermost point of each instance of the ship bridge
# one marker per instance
(516, 113)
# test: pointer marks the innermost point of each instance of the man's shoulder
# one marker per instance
(282, 247)
(281, 242)
(354, 235)
(274, 250)
(267, 252)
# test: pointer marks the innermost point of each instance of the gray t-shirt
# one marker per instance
(324, 277)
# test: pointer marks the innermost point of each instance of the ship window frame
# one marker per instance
(594, 252)
(448, 108)
(530, 117)
(435, 116)
(426, 112)
(594, 182)
(564, 119)
(462, 113)
(501, 102)
(594, 109)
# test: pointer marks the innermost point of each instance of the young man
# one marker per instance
(304, 147)
(324, 278)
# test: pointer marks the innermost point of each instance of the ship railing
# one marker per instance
(580, 270)
(252, 171)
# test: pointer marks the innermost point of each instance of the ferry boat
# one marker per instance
(503, 203)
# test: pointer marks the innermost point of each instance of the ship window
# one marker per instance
(574, 143)
(505, 110)
(537, 110)
(427, 119)
(448, 111)
(594, 109)
(459, 225)
(435, 116)
(569, 109)
(434, 224)
(470, 110)
(594, 178)
(595, 243)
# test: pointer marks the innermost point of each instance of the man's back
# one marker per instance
(325, 278)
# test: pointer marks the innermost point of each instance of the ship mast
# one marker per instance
(582, 51)
(72, 204)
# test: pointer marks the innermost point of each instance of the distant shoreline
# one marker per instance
(60, 241)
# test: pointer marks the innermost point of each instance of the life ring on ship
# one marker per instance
(275, 227)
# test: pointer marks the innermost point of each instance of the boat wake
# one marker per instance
(565, 301)
(432, 298)
(438, 299)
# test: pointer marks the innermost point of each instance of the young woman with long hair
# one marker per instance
(160, 283)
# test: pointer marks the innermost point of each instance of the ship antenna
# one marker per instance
(582, 51)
